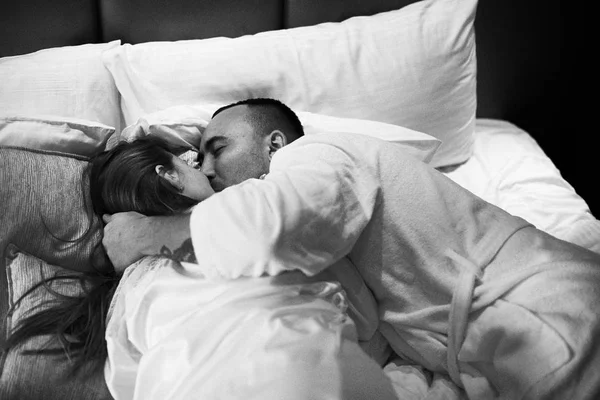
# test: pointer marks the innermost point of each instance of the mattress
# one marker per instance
(509, 169)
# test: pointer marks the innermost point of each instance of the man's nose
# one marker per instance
(208, 169)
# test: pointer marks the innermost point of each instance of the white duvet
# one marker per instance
(172, 334)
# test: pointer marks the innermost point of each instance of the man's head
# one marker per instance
(242, 137)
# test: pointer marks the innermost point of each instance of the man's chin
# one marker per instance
(217, 188)
(220, 186)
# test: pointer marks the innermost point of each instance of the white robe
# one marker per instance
(461, 285)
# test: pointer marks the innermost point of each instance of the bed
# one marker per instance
(483, 79)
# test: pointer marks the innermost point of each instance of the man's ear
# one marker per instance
(277, 140)
(171, 176)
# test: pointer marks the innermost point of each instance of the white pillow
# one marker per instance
(183, 126)
(68, 81)
(418, 144)
(67, 135)
(414, 67)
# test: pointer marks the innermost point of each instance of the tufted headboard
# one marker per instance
(522, 51)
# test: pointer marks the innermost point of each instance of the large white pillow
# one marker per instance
(182, 126)
(66, 135)
(414, 67)
(68, 81)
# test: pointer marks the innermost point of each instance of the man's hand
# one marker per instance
(125, 237)
(130, 236)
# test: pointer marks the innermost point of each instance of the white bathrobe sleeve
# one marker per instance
(306, 214)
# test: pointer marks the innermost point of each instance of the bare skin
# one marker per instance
(130, 236)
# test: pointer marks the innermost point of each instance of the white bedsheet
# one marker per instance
(509, 169)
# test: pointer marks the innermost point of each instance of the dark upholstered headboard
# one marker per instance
(522, 51)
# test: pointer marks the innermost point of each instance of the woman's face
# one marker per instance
(195, 183)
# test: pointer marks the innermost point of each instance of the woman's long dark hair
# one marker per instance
(120, 179)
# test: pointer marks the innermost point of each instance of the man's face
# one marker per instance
(230, 151)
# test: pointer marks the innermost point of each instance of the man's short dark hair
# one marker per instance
(278, 116)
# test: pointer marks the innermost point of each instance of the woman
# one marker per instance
(172, 334)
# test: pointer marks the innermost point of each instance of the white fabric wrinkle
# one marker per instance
(223, 337)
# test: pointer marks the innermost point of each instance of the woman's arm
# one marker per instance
(130, 236)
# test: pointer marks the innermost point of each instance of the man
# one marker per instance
(462, 286)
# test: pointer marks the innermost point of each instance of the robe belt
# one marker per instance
(460, 307)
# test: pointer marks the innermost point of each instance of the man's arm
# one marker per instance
(306, 214)
(130, 236)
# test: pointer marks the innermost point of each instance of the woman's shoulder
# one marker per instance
(146, 268)
(139, 275)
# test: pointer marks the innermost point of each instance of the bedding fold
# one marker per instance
(508, 168)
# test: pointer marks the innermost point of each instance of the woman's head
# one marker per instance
(144, 176)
